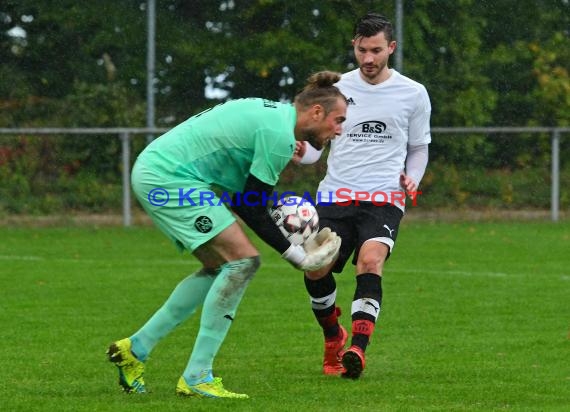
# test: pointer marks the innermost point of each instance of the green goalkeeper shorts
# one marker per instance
(187, 211)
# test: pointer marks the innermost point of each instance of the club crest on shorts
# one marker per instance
(203, 224)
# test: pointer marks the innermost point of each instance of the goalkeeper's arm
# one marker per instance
(256, 217)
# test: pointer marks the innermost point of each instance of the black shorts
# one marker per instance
(357, 224)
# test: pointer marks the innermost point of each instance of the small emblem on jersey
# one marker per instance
(350, 101)
(203, 224)
(389, 230)
(371, 127)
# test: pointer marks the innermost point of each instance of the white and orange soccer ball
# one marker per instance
(296, 217)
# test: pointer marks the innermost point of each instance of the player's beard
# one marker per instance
(311, 137)
(372, 72)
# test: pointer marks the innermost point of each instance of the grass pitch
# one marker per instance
(475, 318)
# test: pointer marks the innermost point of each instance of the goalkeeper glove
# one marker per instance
(318, 251)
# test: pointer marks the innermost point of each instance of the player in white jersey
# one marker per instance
(379, 161)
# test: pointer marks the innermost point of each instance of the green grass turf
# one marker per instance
(475, 318)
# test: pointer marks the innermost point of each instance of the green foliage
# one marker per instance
(59, 173)
(448, 187)
(526, 40)
(83, 64)
(551, 70)
(116, 106)
(38, 176)
(445, 50)
(478, 64)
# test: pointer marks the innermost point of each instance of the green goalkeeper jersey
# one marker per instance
(223, 145)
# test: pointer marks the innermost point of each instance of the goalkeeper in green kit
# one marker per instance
(239, 146)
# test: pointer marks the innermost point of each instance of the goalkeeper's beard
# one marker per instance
(311, 137)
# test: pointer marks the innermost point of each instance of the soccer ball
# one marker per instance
(296, 217)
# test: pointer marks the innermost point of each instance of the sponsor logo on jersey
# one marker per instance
(350, 101)
(371, 127)
(371, 131)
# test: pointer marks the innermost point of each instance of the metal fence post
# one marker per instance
(150, 66)
(555, 190)
(399, 54)
(126, 154)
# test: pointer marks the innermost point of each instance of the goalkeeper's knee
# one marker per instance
(244, 268)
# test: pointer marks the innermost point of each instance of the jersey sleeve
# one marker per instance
(416, 162)
(419, 127)
(273, 151)
(256, 216)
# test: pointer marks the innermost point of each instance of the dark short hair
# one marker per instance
(372, 24)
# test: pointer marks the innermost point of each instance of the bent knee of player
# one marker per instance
(371, 260)
(243, 270)
(318, 274)
(251, 265)
(369, 266)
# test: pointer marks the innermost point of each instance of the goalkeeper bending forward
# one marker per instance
(240, 146)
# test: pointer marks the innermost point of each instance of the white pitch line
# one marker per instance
(452, 272)
(420, 271)
(85, 260)
(8, 257)
(284, 265)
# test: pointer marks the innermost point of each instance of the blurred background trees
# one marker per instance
(83, 64)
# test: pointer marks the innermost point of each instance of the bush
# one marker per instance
(42, 175)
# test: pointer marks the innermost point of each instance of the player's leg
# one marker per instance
(218, 312)
(321, 287)
(175, 220)
(322, 293)
(188, 295)
(366, 305)
(377, 233)
(129, 354)
(218, 241)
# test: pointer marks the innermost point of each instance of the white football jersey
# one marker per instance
(382, 120)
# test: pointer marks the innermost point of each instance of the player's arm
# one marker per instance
(256, 217)
(419, 137)
(416, 163)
